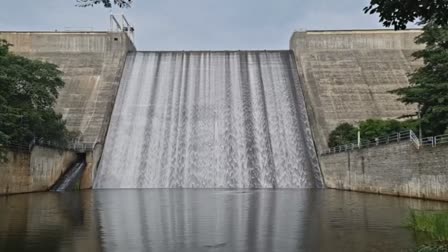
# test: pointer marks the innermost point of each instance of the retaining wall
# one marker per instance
(34, 171)
(346, 75)
(396, 169)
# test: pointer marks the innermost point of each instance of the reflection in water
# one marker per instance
(199, 219)
(206, 220)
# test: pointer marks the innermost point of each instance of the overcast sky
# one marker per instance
(195, 24)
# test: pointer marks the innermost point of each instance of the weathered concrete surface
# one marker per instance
(395, 169)
(92, 63)
(35, 171)
(347, 75)
(92, 159)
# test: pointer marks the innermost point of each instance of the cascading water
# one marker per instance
(209, 120)
(73, 176)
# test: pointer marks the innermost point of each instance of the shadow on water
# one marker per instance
(207, 220)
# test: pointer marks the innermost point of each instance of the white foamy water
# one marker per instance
(209, 120)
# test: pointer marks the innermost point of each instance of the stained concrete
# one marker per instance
(346, 75)
(33, 171)
(92, 63)
(396, 169)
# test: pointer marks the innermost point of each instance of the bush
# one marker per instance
(346, 133)
(373, 128)
(343, 134)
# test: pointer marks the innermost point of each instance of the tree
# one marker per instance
(106, 3)
(28, 92)
(429, 84)
(398, 13)
(344, 133)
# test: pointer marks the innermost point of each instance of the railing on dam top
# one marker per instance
(393, 138)
(72, 146)
(435, 140)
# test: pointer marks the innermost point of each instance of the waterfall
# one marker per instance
(72, 176)
(209, 120)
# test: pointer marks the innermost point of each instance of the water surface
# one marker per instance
(207, 220)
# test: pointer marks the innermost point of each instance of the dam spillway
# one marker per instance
(209, 120)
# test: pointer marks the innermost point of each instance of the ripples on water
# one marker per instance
(206, 220)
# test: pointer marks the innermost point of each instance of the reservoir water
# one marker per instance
(207, 220)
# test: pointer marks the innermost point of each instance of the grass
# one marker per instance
(432, 248)
(433, 226)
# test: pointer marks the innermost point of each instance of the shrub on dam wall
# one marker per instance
(346, 133)
(28, 92)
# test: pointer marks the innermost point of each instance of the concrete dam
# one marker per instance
(209, 120)
(223, 119)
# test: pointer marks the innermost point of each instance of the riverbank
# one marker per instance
(431, 230)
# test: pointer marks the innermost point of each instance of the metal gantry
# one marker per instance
(119, 23)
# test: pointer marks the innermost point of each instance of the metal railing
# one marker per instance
(393, 138)
(435, 140)
(414, 139)
(73, 146)
(17, 147)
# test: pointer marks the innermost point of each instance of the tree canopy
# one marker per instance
(344, 133)
(398, 13)
(429, 84)
(105, 3)
(28, 92)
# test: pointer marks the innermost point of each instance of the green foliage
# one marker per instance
(436, 247)
(28, 92)
(373, 128)
(106, 3)
(345, 133)
(398, 13)
(3, 141)
(434, 225)
(429, 84)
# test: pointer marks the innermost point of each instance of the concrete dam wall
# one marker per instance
(347, 75)
(209, 120)
(232, 111)
(92, 63)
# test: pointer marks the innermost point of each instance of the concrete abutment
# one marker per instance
(92, 64)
